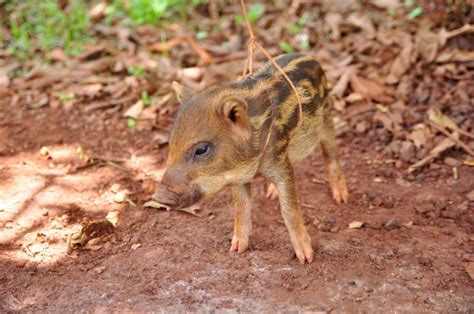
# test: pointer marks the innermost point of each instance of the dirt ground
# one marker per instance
(67, 157)
(175, 261)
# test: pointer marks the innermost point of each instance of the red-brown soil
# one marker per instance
(175, 261)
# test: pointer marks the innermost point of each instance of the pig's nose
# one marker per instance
(166, 197)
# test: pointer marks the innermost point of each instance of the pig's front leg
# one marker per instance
(283, 177)
(243, 222)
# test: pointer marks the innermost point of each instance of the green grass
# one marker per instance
(152, 12)
(44, 25)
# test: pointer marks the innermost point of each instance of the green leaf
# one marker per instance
(415, 13)
(66, 96)
(256, 11)
(286, 47)
(131, 123)
(136, 70)
(202, 35)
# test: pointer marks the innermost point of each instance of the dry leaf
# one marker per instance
(386, 4)
(135, 110)
(98, 11)
(135, 246)
(363, 22)
(340, 88)
(89, 231)
(369, 89)
(434, 153)
(436, 116)
(113, 217)
(356, 225)
(155, 204)
(401, 64)
(420, 135)
(333, 20)
(427, 43)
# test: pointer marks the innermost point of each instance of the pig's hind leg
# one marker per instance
(243, 222)
(336, 178)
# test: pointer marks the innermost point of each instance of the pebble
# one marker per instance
(407, 151)
(392, 224)
(450, 161)
(388, 203)
(377, 201)
(470, 196)
(361, 127)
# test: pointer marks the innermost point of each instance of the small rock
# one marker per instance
(396, 147)
(371, 194)
(361, 127)
(388, 203)
(470, 269)
(392, 224)
(375, 225)
(463, 206)
(470, 196)
(450, 214)
(450, 161)
(356, 225)
(377, 201)
(468, 257)
(407, 151)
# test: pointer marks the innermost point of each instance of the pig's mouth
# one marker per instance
(165, 196)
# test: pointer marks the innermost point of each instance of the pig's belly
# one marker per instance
(302, 143)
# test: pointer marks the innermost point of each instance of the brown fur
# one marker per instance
(235, 120)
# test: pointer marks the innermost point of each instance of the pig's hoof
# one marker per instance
(272, 192)
(339, 191)
(239, 244)
(303, 249)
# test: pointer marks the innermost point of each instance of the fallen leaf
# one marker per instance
(369, 89)
(89, 231)
(99, 269)
(113, 217)
(98, 11)
(135, 246)
(333, 20)
(436, 116)
(155, 204)
(161, 138)
(44, 151)
(401, 64)
(427, 43)
(58, 54)
(135, 110)
(356, 225)
(340, 87)
(434, 153)
(386, 4)
(363, 22)
(420, 135)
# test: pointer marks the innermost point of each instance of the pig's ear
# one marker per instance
(234, 111)
(182, 92)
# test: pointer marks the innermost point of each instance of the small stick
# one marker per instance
(252, 43)
(457, 141)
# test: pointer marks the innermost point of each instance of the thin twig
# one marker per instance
(457, 141)
(249, 62)
(288, 79)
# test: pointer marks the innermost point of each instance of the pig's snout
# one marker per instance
(164, 196)
(178, 197)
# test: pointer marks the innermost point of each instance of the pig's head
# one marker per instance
(210, 147)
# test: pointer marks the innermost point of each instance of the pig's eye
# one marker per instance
(202, 150)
